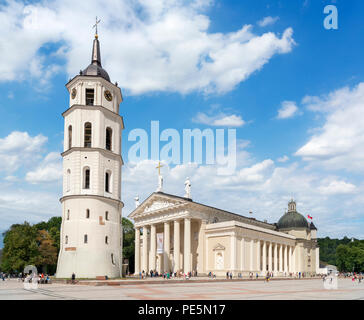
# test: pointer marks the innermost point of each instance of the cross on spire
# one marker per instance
(95, 26)
(159, 168)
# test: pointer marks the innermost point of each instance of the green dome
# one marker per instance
(292, 219)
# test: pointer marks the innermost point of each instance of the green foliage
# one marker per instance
(31, 245)
(347, 255)
(20, 247)
(128, 242)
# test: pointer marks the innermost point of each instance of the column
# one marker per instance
(285, 258)
(280, 258)
(264, 267)
(187, 246)
(290, 259)
(275, 259)
(166, 246)
(137, 251)
(299, 253)
(176, 245)
(294, 259)
(258, 255)
(317, 260)
(242, 255)
(145, 248)
(270, 257)
(153, 248)
(251, 254)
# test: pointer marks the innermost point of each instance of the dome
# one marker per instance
(292, 219)
(95, 68)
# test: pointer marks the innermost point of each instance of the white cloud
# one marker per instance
(19, 148)
(267, 21)
(50, 170)
(146, 45)
(288, 110)
(220, 120)
(338, 187)
(339, 143)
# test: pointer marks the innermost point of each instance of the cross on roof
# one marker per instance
(159, 168)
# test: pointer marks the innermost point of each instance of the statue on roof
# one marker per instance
(188, 188)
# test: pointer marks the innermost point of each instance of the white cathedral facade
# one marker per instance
(172, 233)
(91, 231)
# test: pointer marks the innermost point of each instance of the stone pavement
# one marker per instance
(190, 290)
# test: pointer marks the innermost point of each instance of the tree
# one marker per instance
(128, 242)
(48, 253)
(20, 247)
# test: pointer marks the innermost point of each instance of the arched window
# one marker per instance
(87, 213)
(68, 214)
(85, 238)
(86, 183)
(66, 240)
(106, 240)
(107, 181)
(69, 137)
(107, 215)
(112, 258)
(88, 135)
(108, 138)
(68, 180)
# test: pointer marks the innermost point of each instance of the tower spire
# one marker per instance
(96, 56)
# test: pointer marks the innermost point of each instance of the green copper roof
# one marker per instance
(291, 220)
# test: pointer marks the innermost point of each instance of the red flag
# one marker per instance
(308, 216)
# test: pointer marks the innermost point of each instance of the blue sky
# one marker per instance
(296, 89)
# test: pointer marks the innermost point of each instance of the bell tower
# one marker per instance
(91, 231)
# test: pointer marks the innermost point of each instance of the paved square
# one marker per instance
(240, 290)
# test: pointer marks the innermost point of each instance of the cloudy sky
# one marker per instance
(293, 90)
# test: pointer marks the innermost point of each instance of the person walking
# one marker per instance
(73, 278)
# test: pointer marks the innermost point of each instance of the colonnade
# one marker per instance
(145, 262)
(275, 257)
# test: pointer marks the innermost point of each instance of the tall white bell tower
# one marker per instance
(91, 232)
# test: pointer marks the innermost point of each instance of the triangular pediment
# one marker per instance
(157, 202)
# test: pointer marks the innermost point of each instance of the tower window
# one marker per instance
(88, 135)
(108, 138)
(90, 94)
(87, 179)
(112, 258)
(107, 215)
(66, 240)
(107, 182)
(87, 213)
(106, 240)
(85, 238)
(69, 137)
(68, 214)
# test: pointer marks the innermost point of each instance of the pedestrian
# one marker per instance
(227, 275)
(73, 278)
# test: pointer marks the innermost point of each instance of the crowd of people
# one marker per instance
(23, 277)
(167, 274)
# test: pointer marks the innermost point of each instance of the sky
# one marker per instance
(292, 89)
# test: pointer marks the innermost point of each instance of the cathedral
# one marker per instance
(181, 235)
(172, 233)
